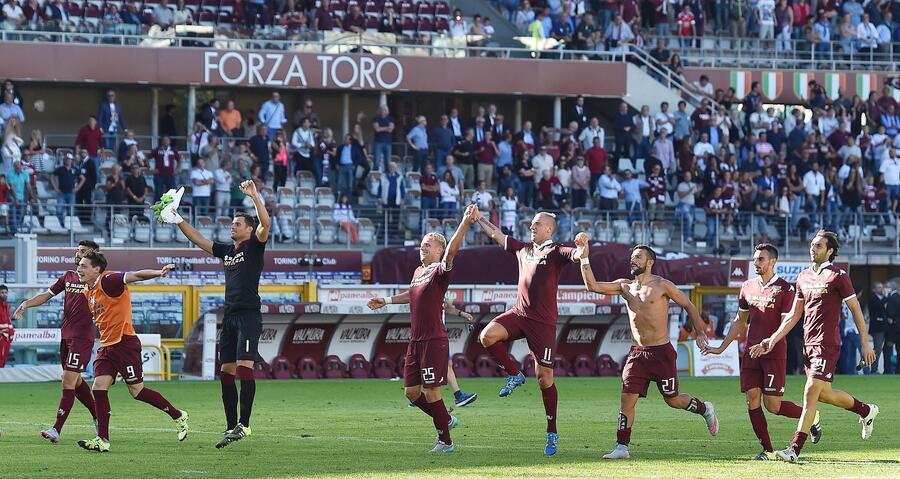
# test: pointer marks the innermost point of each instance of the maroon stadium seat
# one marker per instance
(442, 10)
(584, 367)
(359, 367)
(308, 368)
(441, 25)
(607, 366)
(462, 367)
(281, 368)
(528, 365)
(373, 21)
(561, 367)
(226, 19)
(408, 27)
(426, 27)
(372, 8)
(426, 10)
(227, 5)
(262, 370)
(383, 367)
(335, 368)
(485, 366)
(211, 5)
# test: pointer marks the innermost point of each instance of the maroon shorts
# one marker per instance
(541, 337)
(75, 354)
(426, 363)
(123, 358)
(763, 373)
(821, 361)
(651, 363)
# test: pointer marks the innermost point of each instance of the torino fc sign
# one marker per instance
(302, 71)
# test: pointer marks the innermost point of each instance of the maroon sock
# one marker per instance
(157, 400)
(422, 404)
(798, 441)
(696, 406)
(101, 399)
(551, 397)
(83, 393)
(760, 428)
(229, 399)
(623, 433)
(500, 354)
(790, 409)
(441, 419)
(860, 408)
(65, 405)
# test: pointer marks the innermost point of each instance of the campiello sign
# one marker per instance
(290, 70)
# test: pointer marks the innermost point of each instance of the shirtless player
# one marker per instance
(652, 357)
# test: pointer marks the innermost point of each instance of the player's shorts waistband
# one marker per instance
(650, 349)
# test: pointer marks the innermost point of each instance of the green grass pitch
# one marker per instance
(362, 428)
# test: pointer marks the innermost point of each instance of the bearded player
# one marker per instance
(764, 301)
(426, 356)
(540, 263)
(821, 291)
(120, 349)
(77, 340)
(652, 357)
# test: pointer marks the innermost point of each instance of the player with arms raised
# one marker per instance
(534, 316)
(426, 356)
(77, 340)
(242, 324)
(120, 349)
(821, 291)
(652, 357)
(764, 301)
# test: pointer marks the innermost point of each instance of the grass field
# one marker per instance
(362, 428)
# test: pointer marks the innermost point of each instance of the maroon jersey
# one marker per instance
(824, 292)
(766, 304)
(78, 323)
(539, 270)
(426, 302)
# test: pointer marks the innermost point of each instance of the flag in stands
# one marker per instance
(801, 84)
(895, 92)
(835, 83)
(866, 83)
(740, 81)
(772, 84)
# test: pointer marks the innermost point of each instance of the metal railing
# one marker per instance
(727, 52)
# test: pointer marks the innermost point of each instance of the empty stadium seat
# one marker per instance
(308, 368)
(286, 197)
(412, 181)
(607, 366)
(305, 179)
(206, 227)
(121, 228)
(306, 197)
(413, 198)
(334, 367)
(51, 223)
(281, 368)
(325, 231)
(485, 366)
(287, 232)
(661, 236)
(432, 225)
(383, 367)
(262, 370)
(366, 230)
(450, 225)
(164, 233)
(359, 367)
(462, 367)
(324, 196)
(304, 230)
(584, 366)
(141, 226)
(33, 224)
(223, 230)
(413, 218)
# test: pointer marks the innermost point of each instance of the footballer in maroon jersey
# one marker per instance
(429, 347)
(822, 289)
(541, 261)
(652, 357)
(763, 302)
(77, 340)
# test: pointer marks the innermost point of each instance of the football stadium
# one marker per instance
(449, 238)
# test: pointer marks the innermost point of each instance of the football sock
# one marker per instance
(798, 441)
(83, 393)
(499, 352)
(760, 428)
(551, 397)
(860, 408)
(790, 409)
(441, 419)
(101, 399)
(696, 406)
(229, 399)
(248, 392)
(422, 404)
(65, 405)
(157, 400)
(623, 433)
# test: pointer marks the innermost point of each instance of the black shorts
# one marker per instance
(240, 336)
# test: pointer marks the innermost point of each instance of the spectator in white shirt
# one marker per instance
(14, 15)
(828, 123)
(458, 25)
(890, 168)
(758, 121)
(588, 134)
(223, 188)
(665, 121)
(449, 194)
(867, 35)
(201, 181)
(541, 162)
(814, 185)
(885, 35)
(704, 86)
(509, 206)
(850, 149)
(703, 148)
(608, 187)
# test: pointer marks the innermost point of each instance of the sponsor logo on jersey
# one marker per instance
(234, 260)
